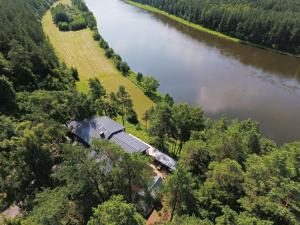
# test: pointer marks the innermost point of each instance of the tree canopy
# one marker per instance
(227, 172)
(116, 212)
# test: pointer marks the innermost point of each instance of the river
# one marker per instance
(221, 76)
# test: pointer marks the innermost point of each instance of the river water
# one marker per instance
(221, 76)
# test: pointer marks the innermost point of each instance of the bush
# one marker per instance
(131, 117)
(139, 77)
(74, 74)
(90, 19)
(117, 61)
(104, 44)
(78, 23)
(109, 53)
(59, 14)
(124, 68)
(96, 35)
(117, 57)
(150, 85)
(63, 26)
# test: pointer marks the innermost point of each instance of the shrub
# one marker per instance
(139, 77)
(131, 117)
(117, 57)
(90, 19)
(150, 84)
(117, 61)
(63, 26)
(96, 35)
(124, 68)
(109, 53)
(104, 44)
(59, 14)
(78, 23)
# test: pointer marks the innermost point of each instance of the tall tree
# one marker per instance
(161, 123)
(196, 158)
(54, 207)
(97, 91)
(179, 192)
(27, 155)
(124, 101)
(272, 185)
(150, 84)
(116, 212)
(186, 120)
(222, 187)
(130, 176)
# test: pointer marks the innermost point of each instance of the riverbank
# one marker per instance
(182, 21)
(204, 29)
(78, 49)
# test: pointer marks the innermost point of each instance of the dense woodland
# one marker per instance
(227, 172)
(271, 23)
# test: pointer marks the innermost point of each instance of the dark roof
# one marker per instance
(96, 127)
(106, 128)
(129, 143)
(89, 129)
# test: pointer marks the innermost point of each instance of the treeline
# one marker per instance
(40, 169)
(273, 23)
(228, 173)
(35, 152)
(26, 58)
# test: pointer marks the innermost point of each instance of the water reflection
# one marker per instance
(219, 75)
(267, 61)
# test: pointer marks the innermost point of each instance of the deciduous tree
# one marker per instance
(116, 211)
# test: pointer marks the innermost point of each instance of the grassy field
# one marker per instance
(180, 20)
(78, 49)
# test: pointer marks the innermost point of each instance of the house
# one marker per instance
(107, 129)
(104, 128)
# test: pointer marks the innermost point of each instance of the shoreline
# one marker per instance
(204, 29)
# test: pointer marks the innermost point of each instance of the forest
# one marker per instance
(273, 23)
(227, 172)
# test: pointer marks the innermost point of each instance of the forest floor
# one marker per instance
(79, 50)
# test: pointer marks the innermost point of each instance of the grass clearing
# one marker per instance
(180, 20)
(78, 49)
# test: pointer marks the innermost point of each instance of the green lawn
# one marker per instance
(180, 20)
(78, 49)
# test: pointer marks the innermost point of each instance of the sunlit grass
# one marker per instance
(78, 49)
